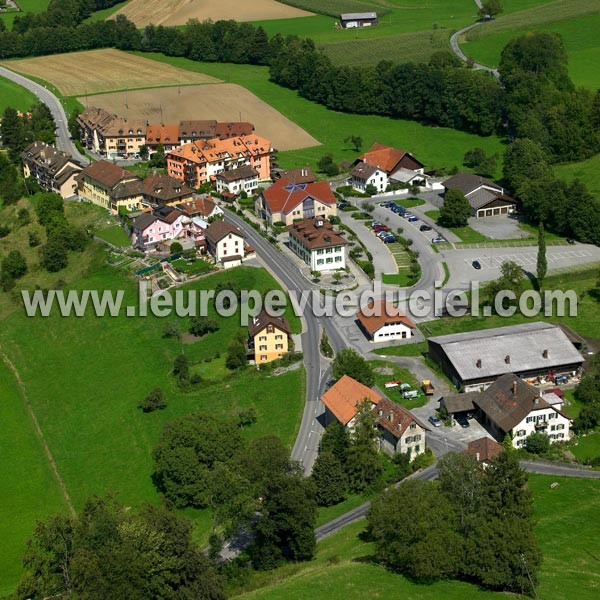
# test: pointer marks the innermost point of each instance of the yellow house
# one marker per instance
(268, 337)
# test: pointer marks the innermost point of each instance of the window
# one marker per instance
(530, 420)
(263, 357)
(262, 338)
(329, 260)
(278, 346)
(417, 448)
(278, 337)
(263, 347)
(413, 425)
(561, 426)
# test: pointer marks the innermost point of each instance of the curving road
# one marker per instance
(63, 138)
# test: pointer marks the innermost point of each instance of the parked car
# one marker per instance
(342, 204)
(410, 394)
(376, 224)
(407, 214)
(425, 227)
(390, 239)
(435, 421)
(413, 219)
(476, 264)
(379, 228)
(570, 241)
(438, 240)
(382, 234)
(462, 421)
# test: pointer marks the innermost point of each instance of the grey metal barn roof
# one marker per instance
(523, 345)
(358, 16)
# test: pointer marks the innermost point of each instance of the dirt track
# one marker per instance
(223, 102)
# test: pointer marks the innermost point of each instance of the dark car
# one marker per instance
(425, 228)
(462, 421)
(390, 239)
(476, 264)
(413, 219)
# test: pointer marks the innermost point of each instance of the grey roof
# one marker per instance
(358, 16)
(523, 346)
(364, 170)
(405, 175)
(467, 183)
(143, 221)
(483, 196)
(460, 402)
(245, 172)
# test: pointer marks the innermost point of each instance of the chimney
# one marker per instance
(507, 359)
(515, 387)
(478, 363)
(545, 353)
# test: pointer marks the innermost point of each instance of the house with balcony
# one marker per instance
(234, 182)
(268, 337)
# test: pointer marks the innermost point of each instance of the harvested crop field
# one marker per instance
(223, 102)
(178, 12)
(95, 71)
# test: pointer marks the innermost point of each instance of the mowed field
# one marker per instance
(179, 12)
(224, 102)
(15, 96)
(95, 71)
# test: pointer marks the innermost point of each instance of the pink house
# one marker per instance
(163, 225)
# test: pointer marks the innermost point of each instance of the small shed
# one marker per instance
(350, 20)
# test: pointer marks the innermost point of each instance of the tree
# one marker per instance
(73, 123)
(456, 210)
(14, 265)
(286, 527)
(12, 132)
(109, 551)
(144, 151)
(413, 527)
(53, 255)
(542, 263)
(355, 141)
(34, 239)
(370, 189)
(11, 186)
(200, 326)
(48, 207)
(236, 355)
(158, 160)
(326, 165)
(336, 440)
(329, 480)
(186, 453)
(481, 163)
(155, 400)
(349, 362)
(175, 248)
(24, 217)
(537, 443)
(491, 8)
(181, 368)
(171, 330)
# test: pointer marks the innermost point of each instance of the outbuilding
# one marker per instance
(351, 20)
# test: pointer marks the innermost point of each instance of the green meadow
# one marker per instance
(32, 6)
(586, 170)
(15, 96)
(345, 569)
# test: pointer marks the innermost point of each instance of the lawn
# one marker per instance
(417, 349)
(467, 234)
(193, 267)
(32, 6)
(586, 170)
(15, 96)
(566, 526)
(435, 146)
(393, 373)
(577, 21)
(401, 279)
(29, 490)
(114, 235)
(410, 202)
(588, 446)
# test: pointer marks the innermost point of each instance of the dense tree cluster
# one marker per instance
(349, 362)
(12, 267)
(110, 551)
(474, 524)
(588, 392)
(456, 210)
(11, 185)
(18, 131)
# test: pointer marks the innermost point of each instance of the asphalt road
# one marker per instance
(63, 138)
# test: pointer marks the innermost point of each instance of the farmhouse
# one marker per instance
(268, 337)
(474, 360)
(381, 322)
(201, 161)
(485, 197)
(351, 20)
(316, 242)
(236, 181)
(225, 244)
(399, 430)
(286, 202)
(54, 171)
(161, 225)
(364, 175)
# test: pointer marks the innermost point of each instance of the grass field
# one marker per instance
(29, 490)
(435, 146)
(394, 372)
(114, 235)
(417, 349)
(577, 21)
(467, 234)
(410, 202)
(223, 102)
(15, 96)
(566, 527)
(588, 446)
(96, 71)
(586, 170)
(32, 6)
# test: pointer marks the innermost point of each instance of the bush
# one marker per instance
(4, 231)
(34, 239)
(155, 400)
(176, 248)
(537, 443)
(200, 326)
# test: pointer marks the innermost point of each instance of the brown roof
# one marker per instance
(217, 230)
(316, 232)
(395, 418)
(162, 188)
(233, 129)
(484, 449)
(262, 319)
(107, 173)
(162, 134)
(343, 397)
(284, 195)
(298, 175)
(197, 129)
(385, 157)
(245, 172)
(48, 157)
(364, 171)
(460, 402)
(382, 313)
(203, 206)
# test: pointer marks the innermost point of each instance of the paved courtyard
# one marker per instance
(502, 227)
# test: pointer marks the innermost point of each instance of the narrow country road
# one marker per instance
(63, 138)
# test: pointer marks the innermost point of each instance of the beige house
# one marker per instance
(54, 171)
(107, 185)
(268, 337)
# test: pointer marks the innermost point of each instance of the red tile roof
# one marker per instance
(284, 196)
(382, 313)
(107, 173)
(162, 134)
(384, 157)
(343, 397)
(484, 449)
(312, 235)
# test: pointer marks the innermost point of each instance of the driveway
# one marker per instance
(502, 227)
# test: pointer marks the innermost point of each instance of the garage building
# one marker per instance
(350, 20)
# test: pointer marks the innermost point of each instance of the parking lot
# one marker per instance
(529, 259)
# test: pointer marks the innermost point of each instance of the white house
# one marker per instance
(364, 175)
(384, 322)
(236, 181)
(316, 242)
(225, 244)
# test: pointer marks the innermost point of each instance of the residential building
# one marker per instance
(268, 337)
(287, 202)
(167, 135)
(381, 321)
(236, 181)
(486, 198)
(193, 130)
(161, 225)
(352, 20)
(475, 359)
(110, 135)
(201, 206)
(484, 450)
(159, 189)
(201, 161)
(318, 244)
(364, 175)
(296, 176)
(54, 171)
(399, 430)
(225, 243)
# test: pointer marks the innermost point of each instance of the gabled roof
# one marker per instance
(162, 134)
(245, 172)
(456, 403)
(203, 206)
(343, 397)
(316, 232)
(162, 188)
(381, 313)
(395, 418)
(385, 157)
(358, 16)
(107, 173)
(262, 319)
(467, 183)
(484, 449)
(298, 175)
(217, 230)
(283, 196)
(364, 170)
(49, 158)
